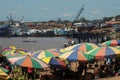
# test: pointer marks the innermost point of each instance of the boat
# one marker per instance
(28, 41)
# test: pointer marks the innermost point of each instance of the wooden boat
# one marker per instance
(28, 41)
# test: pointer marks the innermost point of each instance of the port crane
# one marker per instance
(12, 22)
(79, 13)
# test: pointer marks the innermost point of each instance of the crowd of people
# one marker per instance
(97, 37)
(109, 68)
(90, 70)
(70, 42)
(94, 69)
(80, 37)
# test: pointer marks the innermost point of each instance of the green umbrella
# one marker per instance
(4, 70)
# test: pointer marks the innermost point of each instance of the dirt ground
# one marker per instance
(111, 78)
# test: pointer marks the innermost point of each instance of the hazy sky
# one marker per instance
(45, 10)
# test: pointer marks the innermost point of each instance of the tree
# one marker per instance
(118, 17)
(107, 19)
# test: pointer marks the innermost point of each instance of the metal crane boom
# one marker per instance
(10, 19)
(79, 13)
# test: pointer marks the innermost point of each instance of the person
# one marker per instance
(80, 69)
(7, 67)
(108, 61)
(96, 71)
(85, 68)
(109, 70)
(72, 42)
(24, 71)
(30, 73)
(65, 45)
(116, 66)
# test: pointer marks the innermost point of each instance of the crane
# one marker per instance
(79, 13)
(10, 19)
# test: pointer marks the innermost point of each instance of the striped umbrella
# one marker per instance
(45, 53)
(3, 74)
(104, 52)
(55, 49)
(12, 56)
(111, 43)
(75, 55)
(4, 70)
(73, 47)
(6, 51)
(13, 51)
(84, 47)
(54, 62)
(27, 61)
(118, 47)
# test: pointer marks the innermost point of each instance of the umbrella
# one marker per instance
(111, 43)
(28, 61)
(45, 53)
(4, 70)
(9, 48)
(12, 56)
(118, 47)
(13, 51)
(55, 49)
(54, 61)
(75, 55)
(6, 51)
(12, 47)
(84, 47)
(73, 47)
(102, 52)
(3, 75)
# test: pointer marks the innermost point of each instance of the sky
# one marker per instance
(45, 10)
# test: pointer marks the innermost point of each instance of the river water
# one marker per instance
(33, 43)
